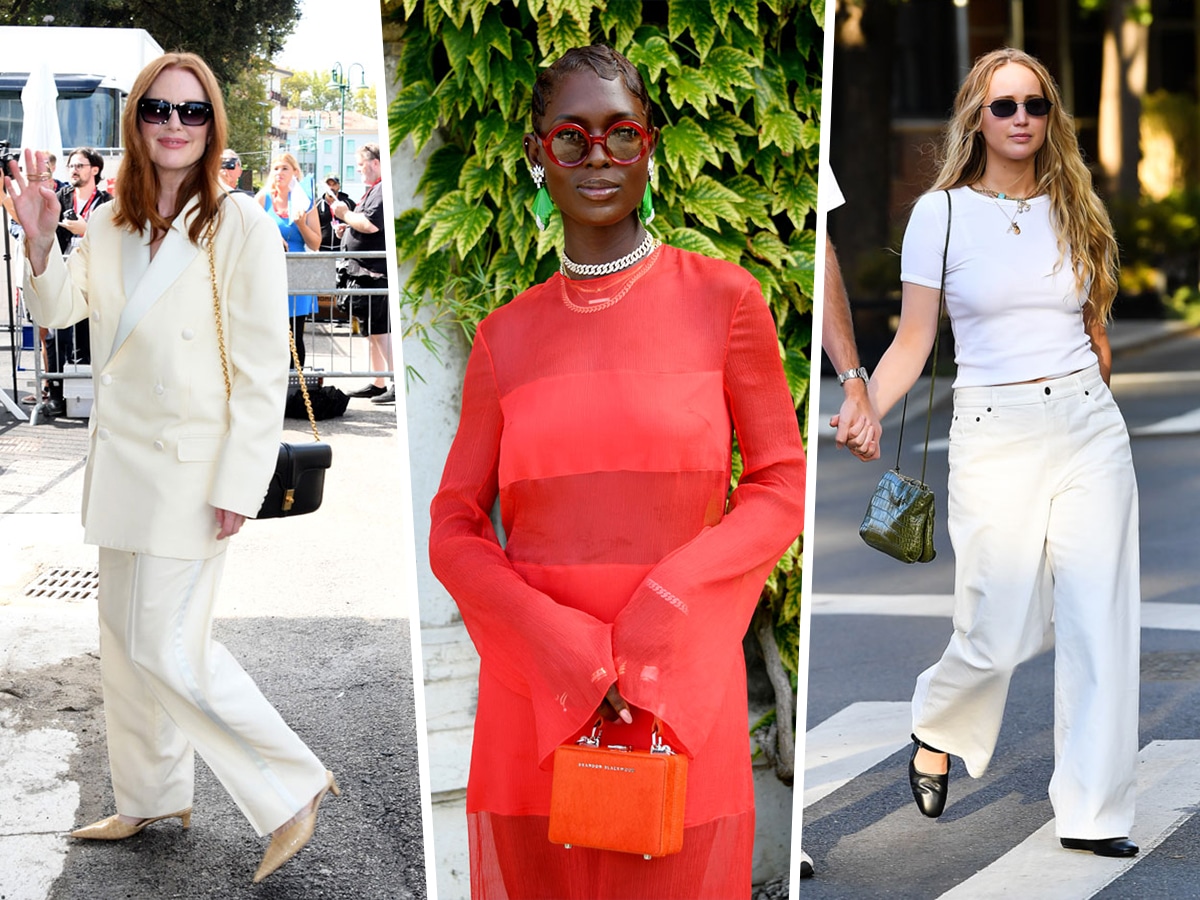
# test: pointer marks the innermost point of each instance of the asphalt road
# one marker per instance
(316, 609)
(877, 624)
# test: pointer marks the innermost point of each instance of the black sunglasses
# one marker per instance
(158, 112)
(1034, 106)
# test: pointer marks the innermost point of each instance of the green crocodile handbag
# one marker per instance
(900, 515)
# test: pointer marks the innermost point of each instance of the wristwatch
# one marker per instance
(860, 372)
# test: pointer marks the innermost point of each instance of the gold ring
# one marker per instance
(38, 176)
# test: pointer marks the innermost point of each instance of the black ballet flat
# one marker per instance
(930, 790)
(1118, 846)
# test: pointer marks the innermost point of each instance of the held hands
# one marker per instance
(614, 707)
(858, 427)
(36, 207)
(229, 522)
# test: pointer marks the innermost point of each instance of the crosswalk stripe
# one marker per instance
(883, 604)
(853, 740)
(1167, 616)
(1187, 423)
(1168, 790)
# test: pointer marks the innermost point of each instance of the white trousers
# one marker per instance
(1043, 520)
(169, 687)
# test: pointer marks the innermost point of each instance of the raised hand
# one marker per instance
(36, 207)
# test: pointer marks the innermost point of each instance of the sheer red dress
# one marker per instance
(606, 430)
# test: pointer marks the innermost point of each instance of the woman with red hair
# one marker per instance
(180, 453)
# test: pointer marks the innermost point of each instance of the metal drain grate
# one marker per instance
(64, 584)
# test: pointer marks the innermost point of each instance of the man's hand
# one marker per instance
(857, 425)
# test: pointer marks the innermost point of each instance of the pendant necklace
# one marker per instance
(996, 196)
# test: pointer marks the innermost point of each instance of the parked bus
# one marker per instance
(94, 69)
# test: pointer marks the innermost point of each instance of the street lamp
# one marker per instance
(264, 119)
(339, 79)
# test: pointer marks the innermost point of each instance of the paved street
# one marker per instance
(877, 624)
(317, 609)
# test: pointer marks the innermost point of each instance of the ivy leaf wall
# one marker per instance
(736, 86)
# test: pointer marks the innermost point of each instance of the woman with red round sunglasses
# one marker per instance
(180, 454)
(1042, 495)
(599, 407)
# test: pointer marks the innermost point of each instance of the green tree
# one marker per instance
(245, 106)
(318, 93)
(736, 86)
(228, 35)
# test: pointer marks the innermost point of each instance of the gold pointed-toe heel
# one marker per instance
(113, 829)
(288, 840)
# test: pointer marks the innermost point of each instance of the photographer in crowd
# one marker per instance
(77, 199)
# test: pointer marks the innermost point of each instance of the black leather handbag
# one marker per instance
(298, 483)
(900, 514)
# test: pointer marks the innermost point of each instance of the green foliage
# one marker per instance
(228, 35)
(1159, 241)
(248, 118)
(1171, 121)
(736, 89)
(313, 90)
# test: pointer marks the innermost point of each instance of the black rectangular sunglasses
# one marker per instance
(158, 112)
(1034, 106)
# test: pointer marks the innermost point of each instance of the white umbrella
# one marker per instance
(39, 109)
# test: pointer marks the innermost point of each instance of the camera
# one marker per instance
(229, 163)
(7, 155)
(70, 214)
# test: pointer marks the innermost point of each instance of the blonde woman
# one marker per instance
(178, 457)
(1042, 496)
(299, 228)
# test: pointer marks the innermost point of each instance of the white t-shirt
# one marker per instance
(1015, 318)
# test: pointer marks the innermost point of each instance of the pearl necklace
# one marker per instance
(645, 248)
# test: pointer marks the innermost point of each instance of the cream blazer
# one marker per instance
(166, 448)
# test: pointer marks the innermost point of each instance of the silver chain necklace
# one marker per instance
(645, 248)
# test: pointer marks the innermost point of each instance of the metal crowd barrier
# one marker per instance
(334, 345)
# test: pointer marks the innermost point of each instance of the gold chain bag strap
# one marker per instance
(900, 515)
(298, 484)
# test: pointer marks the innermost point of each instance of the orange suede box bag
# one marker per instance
(614, 797)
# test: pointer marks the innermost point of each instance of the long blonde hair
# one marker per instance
(137, 184)
(1081, 221)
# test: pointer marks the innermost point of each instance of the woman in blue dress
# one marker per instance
(300, 229)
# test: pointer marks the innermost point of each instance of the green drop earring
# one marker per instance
(542, 204)
(646, 209)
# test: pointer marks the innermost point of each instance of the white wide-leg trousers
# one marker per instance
(169, 687)
(1043, 518)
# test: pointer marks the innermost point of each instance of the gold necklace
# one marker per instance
(1023, 206)
(605, 302)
